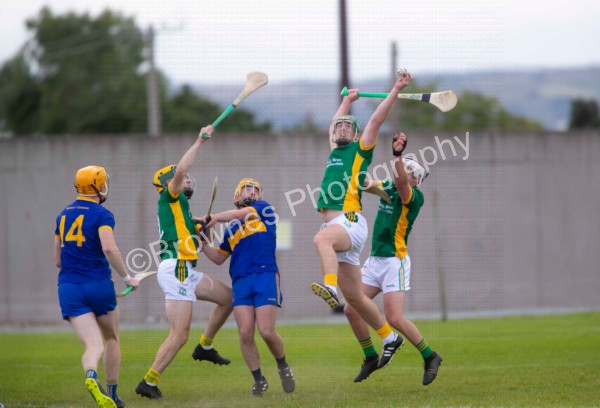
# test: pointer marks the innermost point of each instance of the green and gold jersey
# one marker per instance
(394, 221)
(346, 170)
(176, 228)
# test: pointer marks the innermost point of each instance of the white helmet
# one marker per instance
(341, 141)
(412, 165)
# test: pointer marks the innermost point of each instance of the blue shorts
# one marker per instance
(79, 298)
(257, 290)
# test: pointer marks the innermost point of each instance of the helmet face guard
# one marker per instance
(248, 201)
(412, 166)
(92, 181)
(189, 185)
(162, 177)
(104, 195)
(343, 140)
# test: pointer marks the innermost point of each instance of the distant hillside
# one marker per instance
(542, 95)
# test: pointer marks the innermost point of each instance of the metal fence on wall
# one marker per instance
(509, 222)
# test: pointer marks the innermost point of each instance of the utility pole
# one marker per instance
(152, 94)
(345, 77)
(394, 114)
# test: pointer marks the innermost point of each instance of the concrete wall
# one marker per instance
(513, 225)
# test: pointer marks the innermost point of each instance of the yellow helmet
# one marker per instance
(92, 181)
(161, 177)
(237, 201)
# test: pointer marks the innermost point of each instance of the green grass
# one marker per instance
(543, 361)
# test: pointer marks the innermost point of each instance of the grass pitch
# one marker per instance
(542, 361)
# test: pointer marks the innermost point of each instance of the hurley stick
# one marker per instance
(254, 80)
(443, 100)
(139, 277)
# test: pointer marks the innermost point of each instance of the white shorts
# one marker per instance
(358, 236)
(388, 274)
(170, 285)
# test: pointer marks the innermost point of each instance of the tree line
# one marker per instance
(81, 74)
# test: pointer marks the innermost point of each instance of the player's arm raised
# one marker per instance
(185, 164)
(400, 176)
(343, 109)
(369, 136)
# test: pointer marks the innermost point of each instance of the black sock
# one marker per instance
(281, 363)
(257, 375)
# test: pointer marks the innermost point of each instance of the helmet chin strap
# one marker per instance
(188, 192)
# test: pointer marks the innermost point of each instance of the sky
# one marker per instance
(219, 41)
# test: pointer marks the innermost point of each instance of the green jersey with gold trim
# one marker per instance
(394, 221)
(345, 172)
(176, 228)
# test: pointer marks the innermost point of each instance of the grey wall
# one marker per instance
(515, 225)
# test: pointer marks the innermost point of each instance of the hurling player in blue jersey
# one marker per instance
(84, 247)
(250, 240)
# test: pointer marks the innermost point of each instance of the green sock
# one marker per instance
(424, 349)
(205, 342)
(367, 347)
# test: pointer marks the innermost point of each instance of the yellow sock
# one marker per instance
(205, 341)
(330, 279)
(152, 377)
(384, 331)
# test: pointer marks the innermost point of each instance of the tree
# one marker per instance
(584, 114)
(81, 74)
(88, 71)
(185, 111)
(20, 97)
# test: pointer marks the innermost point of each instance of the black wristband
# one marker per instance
(398, 152)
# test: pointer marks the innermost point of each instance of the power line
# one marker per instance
(82, 43)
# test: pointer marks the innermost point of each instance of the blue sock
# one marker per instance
(91, 374)
(257, 375)
(111, 389)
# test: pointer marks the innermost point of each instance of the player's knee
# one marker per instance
(316, 241)
(321, 240)
(268, 335)
(349, 311)
(246, 335)
(354, 299)
(179, 339)
(396, 321)
(95, 351)
(112, 341)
